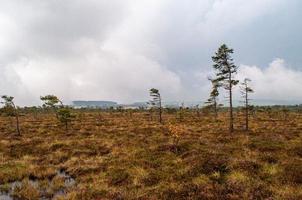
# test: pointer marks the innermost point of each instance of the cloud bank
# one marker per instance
(118, 49)
(275, 82)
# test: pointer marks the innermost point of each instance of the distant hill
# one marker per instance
(175, 104)
(271, 102)
(94, 104)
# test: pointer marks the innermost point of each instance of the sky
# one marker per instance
(117, 50)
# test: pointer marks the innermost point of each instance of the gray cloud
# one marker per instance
(118, 49)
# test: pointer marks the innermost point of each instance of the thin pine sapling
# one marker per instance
(156, 102)
(245, 90)
(212, 102)
(65, 116)
(52, 102)
(11, 110)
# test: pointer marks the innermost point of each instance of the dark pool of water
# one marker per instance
(68, 182)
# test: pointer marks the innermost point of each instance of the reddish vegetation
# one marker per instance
(124, 155)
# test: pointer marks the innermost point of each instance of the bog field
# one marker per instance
(130, 155)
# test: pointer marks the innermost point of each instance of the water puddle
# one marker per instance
(11, 188)
(5, 197)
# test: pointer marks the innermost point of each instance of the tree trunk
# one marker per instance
(17, 120)
(246, 111)
(17, 124)
(197, 112)
(160, 111)
(66, 126)
(231, 103)
(150, 115)
(215, 109)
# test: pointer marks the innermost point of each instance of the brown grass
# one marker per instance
(124, 155)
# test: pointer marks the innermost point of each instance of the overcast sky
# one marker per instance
(118, 49)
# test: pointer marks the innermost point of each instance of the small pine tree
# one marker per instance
(63, 113)
(52, 102)
(181, 112)
(65, 116)
(285, 112)
(197, 111)
(245, 90)
(11, 110)
(225, 70)
(156, 102)
(212, 102)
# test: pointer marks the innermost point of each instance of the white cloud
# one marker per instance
(100, 74)
(84, 51)
(114, 50)
(276, 82)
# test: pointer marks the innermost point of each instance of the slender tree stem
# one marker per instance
(231, 103)
(215, 109)
(160, 110)
(17, 119)
(246, 110)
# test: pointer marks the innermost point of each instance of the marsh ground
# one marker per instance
(125, 155)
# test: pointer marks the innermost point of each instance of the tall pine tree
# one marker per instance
(225, 71)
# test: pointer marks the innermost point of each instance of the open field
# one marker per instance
(125, 155)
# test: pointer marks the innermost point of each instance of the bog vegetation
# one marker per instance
(204, 152)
